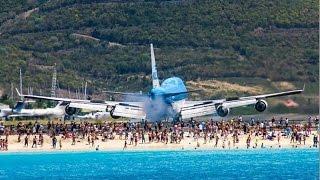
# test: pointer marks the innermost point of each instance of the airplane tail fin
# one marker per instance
(19, 94)
(61, 105)
(155, 80)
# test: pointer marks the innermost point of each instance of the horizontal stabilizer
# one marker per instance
(124, 93)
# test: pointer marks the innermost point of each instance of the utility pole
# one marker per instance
(54, 82)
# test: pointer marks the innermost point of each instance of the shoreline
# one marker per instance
(154, 150)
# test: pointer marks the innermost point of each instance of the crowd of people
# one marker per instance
(134, 133)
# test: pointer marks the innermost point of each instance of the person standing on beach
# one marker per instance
(256, 142)
(217, 140)
(278, 137)
(26, 141)
(125, 145)
(135, 139)
(132, 135)
(73, 139)
(19, 137)
(248, 141)
(34, 142)
(54, 142)
(142, 137)
(92, 140)
(89, 139)
(41, 139)
(292, 138)
(5, 144)
(315, 140)
(60, 143)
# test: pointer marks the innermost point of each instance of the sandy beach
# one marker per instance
(187, 143)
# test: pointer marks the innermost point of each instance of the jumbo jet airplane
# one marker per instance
(19, 111)
(167, 100)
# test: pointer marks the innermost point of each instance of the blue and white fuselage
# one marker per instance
(166, 100)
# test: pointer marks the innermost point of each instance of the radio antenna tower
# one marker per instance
(20, 83)
(85, 91)
(54, 82)
(11, 96)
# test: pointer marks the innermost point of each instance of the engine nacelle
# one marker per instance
(113, 116)
(70, 110)
(261, 105)
(222, 111)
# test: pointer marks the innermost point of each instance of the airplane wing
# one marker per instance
(117, 109)
(52, 98)
(202, 108)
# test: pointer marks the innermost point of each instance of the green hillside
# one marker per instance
(106, 43)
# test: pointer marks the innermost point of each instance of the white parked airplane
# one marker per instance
(168, 100)
(19, 111)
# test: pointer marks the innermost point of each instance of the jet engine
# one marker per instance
(261, 105)
(70, 110)
(113, 116)
(222, 111)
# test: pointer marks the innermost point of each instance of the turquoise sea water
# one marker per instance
(231, 164)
